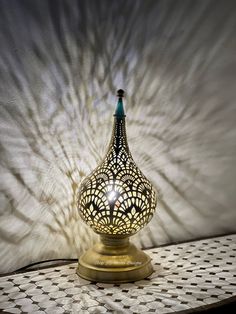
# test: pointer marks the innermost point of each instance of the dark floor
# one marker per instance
(223, 308)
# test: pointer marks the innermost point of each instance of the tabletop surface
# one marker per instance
(186, 276)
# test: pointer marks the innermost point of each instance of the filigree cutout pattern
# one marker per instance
(117, 198)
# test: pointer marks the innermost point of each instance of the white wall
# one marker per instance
(60, 67)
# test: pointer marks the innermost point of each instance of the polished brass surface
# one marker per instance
(116, 200)
(114, 260)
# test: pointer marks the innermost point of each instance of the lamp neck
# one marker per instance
(118, 139)
(114, 240)
(118, 150)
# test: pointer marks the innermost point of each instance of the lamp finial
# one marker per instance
(120, 93)
(120, 113)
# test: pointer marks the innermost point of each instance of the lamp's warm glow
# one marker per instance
(112, 196)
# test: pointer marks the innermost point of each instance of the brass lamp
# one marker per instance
(116, 200)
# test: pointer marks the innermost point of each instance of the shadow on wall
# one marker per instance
(61, 63)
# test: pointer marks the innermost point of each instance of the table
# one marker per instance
(186, 276)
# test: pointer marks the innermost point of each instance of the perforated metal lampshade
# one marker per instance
(116, 200)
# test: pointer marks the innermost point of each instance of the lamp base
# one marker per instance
(114, 260)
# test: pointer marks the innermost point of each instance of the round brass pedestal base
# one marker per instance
(114, 261)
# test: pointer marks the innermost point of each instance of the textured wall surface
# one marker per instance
(60, 65)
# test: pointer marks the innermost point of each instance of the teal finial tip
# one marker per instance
(119, 107)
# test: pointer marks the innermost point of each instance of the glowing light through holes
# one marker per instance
(117, 198)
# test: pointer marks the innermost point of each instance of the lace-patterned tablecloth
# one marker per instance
(187, 276)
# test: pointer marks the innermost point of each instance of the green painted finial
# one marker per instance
(119, 107)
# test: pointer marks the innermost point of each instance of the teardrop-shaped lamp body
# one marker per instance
(116, 198)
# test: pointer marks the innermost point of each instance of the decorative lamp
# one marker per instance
(116, 200)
